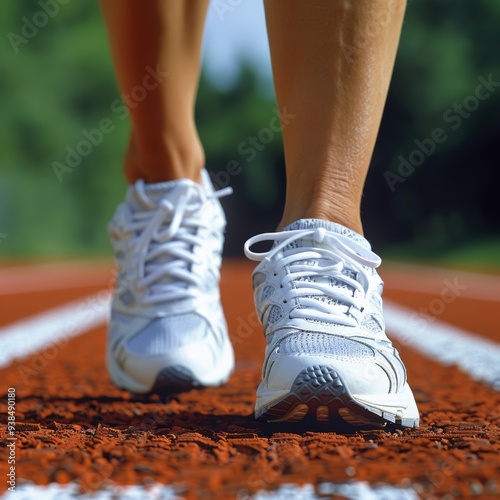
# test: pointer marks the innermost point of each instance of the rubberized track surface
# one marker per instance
(74, 425)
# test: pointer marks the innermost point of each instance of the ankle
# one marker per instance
(166, 162)
(340, 213)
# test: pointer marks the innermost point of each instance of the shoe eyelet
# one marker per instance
(285, 301)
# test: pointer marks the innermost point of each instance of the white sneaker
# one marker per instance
(319, 298)
(167, 331)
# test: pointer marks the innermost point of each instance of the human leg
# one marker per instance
(316, 290)
(167, 331)
(332, 63)
(156, 45)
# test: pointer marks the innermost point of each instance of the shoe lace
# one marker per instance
(167, 233)
(311, 282)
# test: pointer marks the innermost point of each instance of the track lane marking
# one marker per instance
(475, 355)
(26, 337)
(353, 490)
(93, 304)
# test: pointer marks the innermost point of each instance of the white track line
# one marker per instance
(477, 356)
(447, 344)
(355, 490)
(52, 328)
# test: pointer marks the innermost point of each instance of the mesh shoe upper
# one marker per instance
(318, 296)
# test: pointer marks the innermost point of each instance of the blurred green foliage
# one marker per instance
(451, 200)
(61, 82)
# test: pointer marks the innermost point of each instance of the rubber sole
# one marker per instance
(319, 392)
(174, 379)
(177, 379)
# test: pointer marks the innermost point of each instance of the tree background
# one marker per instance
(61, 82)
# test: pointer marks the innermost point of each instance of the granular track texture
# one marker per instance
(74, 425)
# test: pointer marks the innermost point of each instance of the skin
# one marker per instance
(164, 143)
(332, 63)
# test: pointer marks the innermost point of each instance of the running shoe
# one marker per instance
(318, 296)
(167, 331)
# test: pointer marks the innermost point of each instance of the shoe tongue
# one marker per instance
(155, 192)
(151, 196)
(329, 226)
(326, 279)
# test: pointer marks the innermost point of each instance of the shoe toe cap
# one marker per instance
(362, 369)
(183, 341)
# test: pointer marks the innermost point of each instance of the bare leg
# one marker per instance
(332, 64)
(163, 38)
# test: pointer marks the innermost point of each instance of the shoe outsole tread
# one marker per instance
(318, 392)
(174, 379)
